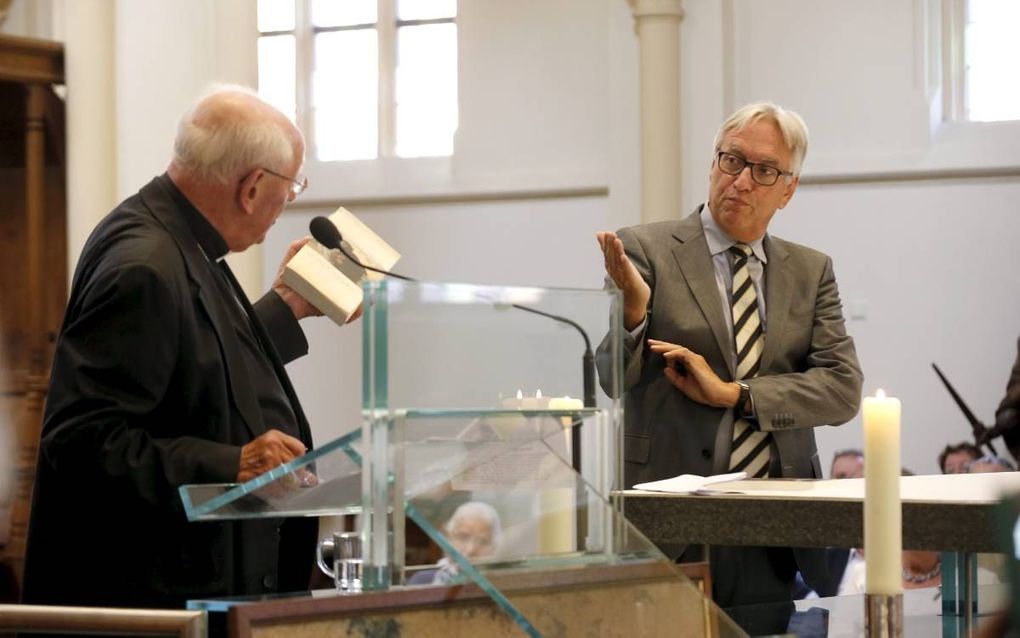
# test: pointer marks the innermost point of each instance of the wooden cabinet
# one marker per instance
(33, 262)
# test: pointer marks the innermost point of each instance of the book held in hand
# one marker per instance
(330, 281)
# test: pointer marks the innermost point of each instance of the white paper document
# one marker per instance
(688, 483)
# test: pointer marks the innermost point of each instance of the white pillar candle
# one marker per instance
(883, 538)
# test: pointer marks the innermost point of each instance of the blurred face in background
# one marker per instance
(956, 462)
(472, 536)
(847, 466)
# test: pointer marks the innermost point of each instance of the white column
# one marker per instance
(91, 118)
(657, 23)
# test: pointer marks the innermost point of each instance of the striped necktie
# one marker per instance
(750, 451)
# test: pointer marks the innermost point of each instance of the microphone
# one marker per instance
(326, 233)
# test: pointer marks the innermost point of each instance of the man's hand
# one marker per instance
(272, 449)
(636, 292)
(298, 304)
(698, 381)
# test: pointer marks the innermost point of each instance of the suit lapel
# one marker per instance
(698, 272)
(779, 286)
(213, 302)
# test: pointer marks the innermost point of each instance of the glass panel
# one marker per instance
(426, 90)
(324, 482)
(501, 500)
(426, 9)
(992, 50)
(276, 15)
(345, 95)
(343, 13)
(276, 72)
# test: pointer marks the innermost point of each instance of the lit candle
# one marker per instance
(515, 403)
(883, 539)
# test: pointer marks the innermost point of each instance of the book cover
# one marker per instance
(330, 281)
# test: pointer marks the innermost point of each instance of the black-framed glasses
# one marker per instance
(300, 183)
(761, 173)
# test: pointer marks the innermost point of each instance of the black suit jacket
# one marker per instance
(148, 392)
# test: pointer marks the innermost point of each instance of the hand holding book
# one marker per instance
(330, 282)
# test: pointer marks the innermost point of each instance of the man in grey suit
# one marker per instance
(735, 346)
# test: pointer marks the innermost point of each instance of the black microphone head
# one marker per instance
(325, 232)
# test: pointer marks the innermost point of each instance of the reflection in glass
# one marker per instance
(992, 50)
(426, 89)
(345, 95)
(426, 9)
(275, 15)
(276, 72)
(343, 13)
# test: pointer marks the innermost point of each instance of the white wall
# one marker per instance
(548, 153)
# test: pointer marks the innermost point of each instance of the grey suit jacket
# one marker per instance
(809, 374)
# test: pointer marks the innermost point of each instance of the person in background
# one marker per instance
(989, 463)
(847, 464)
(164, 374)
(954, 458)
(474, 531)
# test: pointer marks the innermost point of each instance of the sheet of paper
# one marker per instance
(688, 483)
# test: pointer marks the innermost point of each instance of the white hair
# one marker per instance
(791, 126)
(476, 510)
(229, 132)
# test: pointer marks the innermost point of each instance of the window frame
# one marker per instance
(387, 27)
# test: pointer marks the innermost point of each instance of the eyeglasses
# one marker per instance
(761, 173)
(298, 186)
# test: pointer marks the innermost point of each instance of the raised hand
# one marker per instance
(636, 292)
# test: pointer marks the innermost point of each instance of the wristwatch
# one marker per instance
(743, 405)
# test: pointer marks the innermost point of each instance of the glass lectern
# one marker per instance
(482, 400)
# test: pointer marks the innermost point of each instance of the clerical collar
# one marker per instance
(208, 238)
(719, 242)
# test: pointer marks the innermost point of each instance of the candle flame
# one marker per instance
(880, 393)
(520, 395)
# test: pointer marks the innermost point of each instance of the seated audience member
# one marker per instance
(847, 464)
(989, 463)
(474, 531)
(954, 458)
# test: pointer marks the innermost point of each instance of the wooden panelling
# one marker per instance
(33, 264)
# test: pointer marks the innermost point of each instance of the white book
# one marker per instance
(330, 281)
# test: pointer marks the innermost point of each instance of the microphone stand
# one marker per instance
(587, 375)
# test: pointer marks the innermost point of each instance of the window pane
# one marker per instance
(426, 90)
(276, 72)
(343, 13)
(426, 9)
(276, 15)
(345, 95)
(992, 50)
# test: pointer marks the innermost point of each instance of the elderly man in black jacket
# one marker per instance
(164, 375)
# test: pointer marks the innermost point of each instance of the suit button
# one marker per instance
(706, 454)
